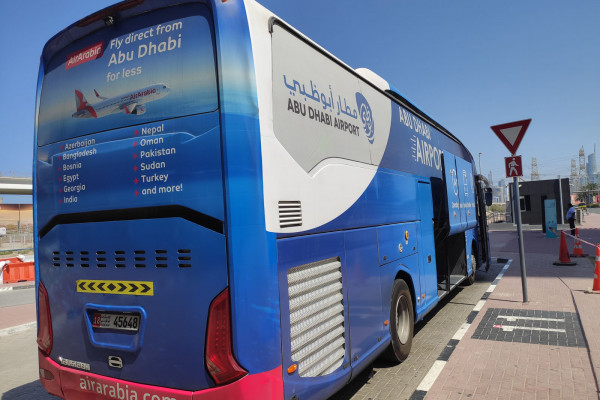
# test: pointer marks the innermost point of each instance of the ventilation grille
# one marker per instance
(317, 317)
(158, 258)
(290, 214)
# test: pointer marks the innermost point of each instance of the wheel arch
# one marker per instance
(404, 275)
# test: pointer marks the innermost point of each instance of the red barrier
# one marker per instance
(15, 270)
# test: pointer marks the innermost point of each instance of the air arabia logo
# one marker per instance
(366, 115)
(82, 56)
(142, 94)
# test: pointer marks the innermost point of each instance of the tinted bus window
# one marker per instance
(147, 68)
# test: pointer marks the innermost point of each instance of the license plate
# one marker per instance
(127, 322)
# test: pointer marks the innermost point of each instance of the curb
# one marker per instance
(7, 288)
(441, 361)
(16, 329)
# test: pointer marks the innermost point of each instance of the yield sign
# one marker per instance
(512, 133)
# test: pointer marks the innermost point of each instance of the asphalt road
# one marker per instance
(19, 365)
(19, 297)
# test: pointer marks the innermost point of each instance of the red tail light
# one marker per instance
(44, 337)
(220, 363)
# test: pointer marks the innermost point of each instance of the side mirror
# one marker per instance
(488, 196)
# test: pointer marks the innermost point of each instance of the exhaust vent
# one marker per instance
(317, 317)
(158, 258)
(290, 214)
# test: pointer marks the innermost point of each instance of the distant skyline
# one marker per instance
(468, 64)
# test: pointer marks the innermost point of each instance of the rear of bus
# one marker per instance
(146, 164)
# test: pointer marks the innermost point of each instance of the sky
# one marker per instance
(469, 64)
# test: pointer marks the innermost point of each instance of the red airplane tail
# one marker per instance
(80, 100)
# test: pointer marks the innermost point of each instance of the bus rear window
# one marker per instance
(146, 68)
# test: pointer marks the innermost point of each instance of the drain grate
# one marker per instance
(553, 328)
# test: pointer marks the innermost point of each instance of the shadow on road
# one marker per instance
(29, 391)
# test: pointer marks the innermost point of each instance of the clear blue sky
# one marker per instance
(469, 64)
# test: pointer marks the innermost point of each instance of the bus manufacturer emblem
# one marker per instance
(115, 362)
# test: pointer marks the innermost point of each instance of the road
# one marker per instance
(18, 365)
(384, 381)
(17, 297)
(19, 376)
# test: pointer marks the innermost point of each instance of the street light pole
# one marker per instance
(480, 163)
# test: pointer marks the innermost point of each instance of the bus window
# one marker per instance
(151, 67)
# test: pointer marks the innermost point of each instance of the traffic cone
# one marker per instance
(563, 254)
(577, 249)
(597, 271)
(596, 287)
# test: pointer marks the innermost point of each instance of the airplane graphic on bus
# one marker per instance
(130, 103)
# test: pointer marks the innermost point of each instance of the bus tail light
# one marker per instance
(44, 337)
(220, 363)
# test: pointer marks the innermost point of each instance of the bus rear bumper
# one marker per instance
(69, 383)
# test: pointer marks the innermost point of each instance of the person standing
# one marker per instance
(571, 218)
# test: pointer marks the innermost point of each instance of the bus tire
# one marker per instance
(402, 322)
(471, 278)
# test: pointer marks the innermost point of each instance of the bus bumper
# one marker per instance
(69, 383)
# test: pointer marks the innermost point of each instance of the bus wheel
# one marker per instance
(402, 322)
(471, 278)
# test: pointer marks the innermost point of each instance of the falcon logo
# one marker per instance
(366, 115)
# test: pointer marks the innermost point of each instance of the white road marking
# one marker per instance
(512, 318)
(509, 328)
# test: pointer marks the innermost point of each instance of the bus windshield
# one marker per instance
(151, 67)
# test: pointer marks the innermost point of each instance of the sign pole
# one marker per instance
(511, 135)
(517, 209)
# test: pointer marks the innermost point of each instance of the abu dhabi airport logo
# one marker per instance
(366, 116)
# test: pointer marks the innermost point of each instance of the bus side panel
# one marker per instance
(364, 293)
(391, 197)
(251, 250)
(298, 256)
(416, 147)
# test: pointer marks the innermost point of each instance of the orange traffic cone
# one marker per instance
(563, 254)
(597, 272)
(596, 287)
(577, 249)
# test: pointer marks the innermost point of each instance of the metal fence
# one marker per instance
(16, 241)
(496, 217)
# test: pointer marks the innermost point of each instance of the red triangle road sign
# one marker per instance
(512, 133)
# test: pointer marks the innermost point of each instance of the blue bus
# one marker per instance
(224, 209)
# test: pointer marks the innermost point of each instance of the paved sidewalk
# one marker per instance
(548, 348)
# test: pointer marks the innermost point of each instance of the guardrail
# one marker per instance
(496, 217)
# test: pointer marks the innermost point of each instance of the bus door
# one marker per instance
(428, 277)
(455, 220)
(482, 225)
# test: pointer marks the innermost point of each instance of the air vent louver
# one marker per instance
(290, 214)
(123, 259)
(317, 317)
